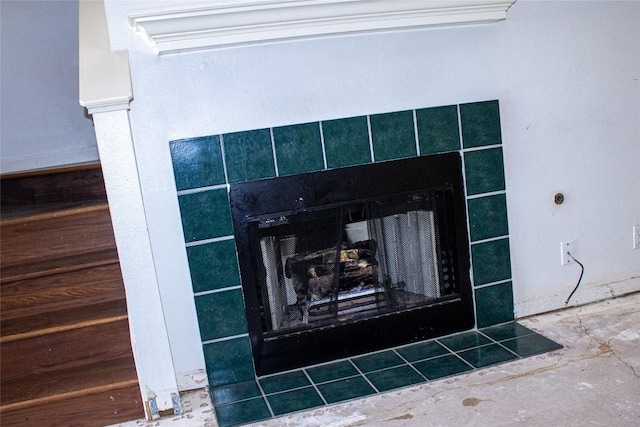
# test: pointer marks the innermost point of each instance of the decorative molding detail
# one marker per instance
(179, 28)
(105, 81)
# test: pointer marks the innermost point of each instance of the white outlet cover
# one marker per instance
(565, 247)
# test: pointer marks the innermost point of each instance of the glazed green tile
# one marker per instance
(205, 215)
(295, 400)
(248, 155)
(464, 341)
(480, 124)
(235, 392)
(229, 361)
(388, 379)
(531, 344)
(491, 261)
(506, 331)
(441, 367)
(298, 148)
(213, 265)
(346, 142)
(393, 135)
(283, 382)
(197, 162)
(488, 217)
(494, 304)
(373, 362)
(350, 388)
(438, 129)
(484, 170)
(244, 412)
(331, 371)
(421, 351)
(221, 314)
(487, 355)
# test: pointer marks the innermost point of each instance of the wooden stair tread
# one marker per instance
(56, 235)
(63, 320)
(57, 265)
(70, 349)
(34, 211)
(92, 409)
(62, 291)
(35, 388)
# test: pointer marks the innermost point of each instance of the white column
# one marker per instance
(105, 89)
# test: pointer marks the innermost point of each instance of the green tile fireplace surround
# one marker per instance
(203, 167)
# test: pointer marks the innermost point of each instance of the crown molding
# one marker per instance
(179, 28)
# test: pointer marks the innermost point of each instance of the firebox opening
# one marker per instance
(340, 262)
(354, 261)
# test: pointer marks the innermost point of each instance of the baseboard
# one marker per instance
(12, 165)
(584, 295)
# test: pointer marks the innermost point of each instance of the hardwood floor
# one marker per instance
(64, 334)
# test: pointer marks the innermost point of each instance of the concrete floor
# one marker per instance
(593, 380)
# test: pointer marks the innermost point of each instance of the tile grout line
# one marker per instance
(487, 194)
(458, 356)
(364, 376)
(216, 291)
(211, 240)
(481, 147)
(224, 161)
(273, 152)
(410, 365)
(223, 339)
(370, 136)
(264, 397)
(201, 189)
(490, 239)
(313, 384)
(487, 285)
(324, 151)
(415, 131)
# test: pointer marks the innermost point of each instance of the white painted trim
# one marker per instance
(104, 78)
(149, 336)
(180, 28)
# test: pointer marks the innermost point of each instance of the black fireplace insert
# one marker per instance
(352, 260)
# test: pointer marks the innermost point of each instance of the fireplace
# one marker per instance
(352, 260)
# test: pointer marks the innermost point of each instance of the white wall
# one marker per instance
(566, 75)
(42, 123)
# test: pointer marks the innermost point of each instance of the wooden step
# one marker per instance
(64, 320)
(68, 290)
(75, 348)
(64, 332)
(55, 235)
(64, 185)
(35, 388)
(47, 267)
(96, 406)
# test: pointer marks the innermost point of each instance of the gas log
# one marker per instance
(313, 273)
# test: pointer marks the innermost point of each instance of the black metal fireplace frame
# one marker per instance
(250, 201)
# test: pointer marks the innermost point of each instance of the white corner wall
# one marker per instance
(567, 77)
(42, 124)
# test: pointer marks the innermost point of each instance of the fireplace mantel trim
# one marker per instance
(179, 28)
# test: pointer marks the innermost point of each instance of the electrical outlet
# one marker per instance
(636, 237)
(565, 248)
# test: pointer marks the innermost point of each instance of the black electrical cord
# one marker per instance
(579, 279)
